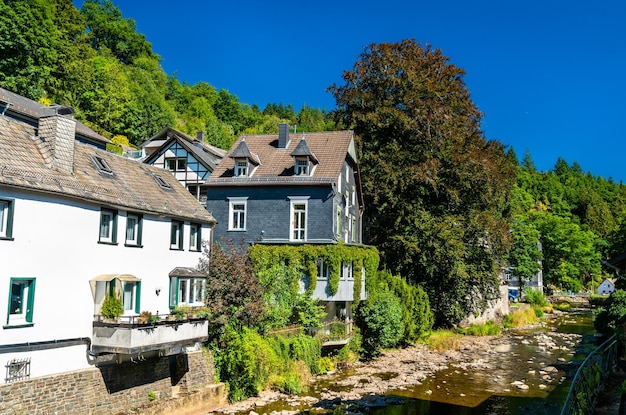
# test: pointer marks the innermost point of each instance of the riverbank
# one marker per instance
(486, 366)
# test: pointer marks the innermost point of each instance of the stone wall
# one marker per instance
(146, 385)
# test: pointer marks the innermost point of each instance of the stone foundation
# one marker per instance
(183, 383)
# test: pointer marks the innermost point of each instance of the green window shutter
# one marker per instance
(112, 288)
(31, 301)
(173, 292)
(138, 298)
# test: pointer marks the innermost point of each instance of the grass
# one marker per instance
(442, 340)
(488, 329)
(522, 317)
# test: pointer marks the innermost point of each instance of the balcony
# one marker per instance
(130, 335)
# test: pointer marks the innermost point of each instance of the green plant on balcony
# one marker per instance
(112, 307)
(147, 317)
(177, 313)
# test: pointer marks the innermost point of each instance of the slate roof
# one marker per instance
(32, 110)
(26, 163)
(205, 153)
(330, 148)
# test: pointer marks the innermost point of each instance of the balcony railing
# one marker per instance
(134, 334)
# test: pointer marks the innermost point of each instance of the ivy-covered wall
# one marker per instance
(284, 270)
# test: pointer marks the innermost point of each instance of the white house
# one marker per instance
(76, 223)
(607, 286)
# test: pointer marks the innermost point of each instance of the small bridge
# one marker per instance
(590, 378)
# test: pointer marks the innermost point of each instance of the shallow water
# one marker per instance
(543, 359)
(489, 390)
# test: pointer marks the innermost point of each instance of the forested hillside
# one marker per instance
(446, 207)
(94, 60)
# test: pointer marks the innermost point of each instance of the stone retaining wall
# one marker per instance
(113, 389)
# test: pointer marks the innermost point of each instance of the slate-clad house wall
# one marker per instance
(292, 189)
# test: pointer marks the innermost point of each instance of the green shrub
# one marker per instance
(307, 349)
(112, 306)
(538, 311)
(535, 297)
(417, 317)
(288, 383)
(325, 365)
(247, 362)
(380, 322)
(612, 315)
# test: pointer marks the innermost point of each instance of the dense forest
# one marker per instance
(446, 207)
(94, 60)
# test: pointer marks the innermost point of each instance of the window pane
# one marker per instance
(18, 297)
(4, 208)
(199, 290)
(193, 237)
(105, 225)
(129, 290)
(182, 290)
(175, 237)
(131, 228)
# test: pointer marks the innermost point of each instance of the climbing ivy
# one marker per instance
(282, 268)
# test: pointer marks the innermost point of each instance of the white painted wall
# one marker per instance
(56, 242)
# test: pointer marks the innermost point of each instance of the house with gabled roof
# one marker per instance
(190, 160)
(293, 189)
(79, 224)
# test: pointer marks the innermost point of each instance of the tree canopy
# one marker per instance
(436, 190)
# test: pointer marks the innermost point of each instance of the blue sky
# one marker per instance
(549, 75)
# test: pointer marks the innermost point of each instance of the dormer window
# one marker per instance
(245, 161)
(304, 159)
(241, 168)
(302, 167)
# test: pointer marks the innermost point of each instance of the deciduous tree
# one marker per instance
(435, 188)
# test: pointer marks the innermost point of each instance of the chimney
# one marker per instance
(283, 135)
(200, 136)
(59, 132)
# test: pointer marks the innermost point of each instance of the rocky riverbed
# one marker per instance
(530, 362)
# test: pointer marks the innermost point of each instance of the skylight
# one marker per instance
(161, 182)
(102, 165)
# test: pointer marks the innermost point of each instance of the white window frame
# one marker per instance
(323, 271)
(347, 271)
(338, 224)
(237, 213)
(177, 232)
(108, 226)
(135, 239)
(241, 168)
(297, 231)
(177, 163)
(130, 290)
(195, 237)
(6, 219)
(302, 167)
(184, 291)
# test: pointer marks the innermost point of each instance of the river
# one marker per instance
(520, 372)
